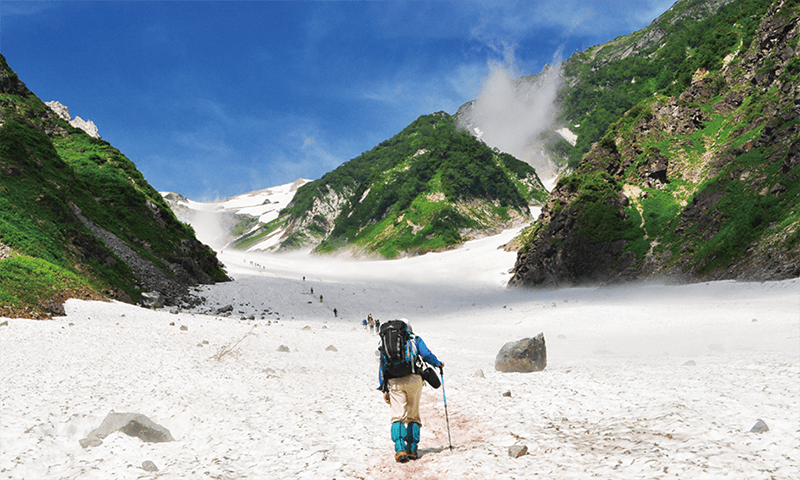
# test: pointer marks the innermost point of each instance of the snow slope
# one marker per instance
(208, 218)
(616, 400)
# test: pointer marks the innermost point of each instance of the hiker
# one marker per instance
(371, 324)
(364, 322)
(335, 313)
(401, 383)
(312, 290)
(378, 326)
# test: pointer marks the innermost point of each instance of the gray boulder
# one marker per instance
(152, 300)
(526, 355)
(149, 466)
(133, 424)
(759, 427)
(516, 451)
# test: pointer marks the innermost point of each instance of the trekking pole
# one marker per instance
(447, 418)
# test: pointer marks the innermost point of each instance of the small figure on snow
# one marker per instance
(335, 313)
(401, 384)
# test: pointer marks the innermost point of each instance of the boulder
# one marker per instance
(283, 348)
(759, 427)
(133, 424)
(149, 466)
(225, 309)
(516, 451)
(331, 348)
(152, 300)
(526, 355)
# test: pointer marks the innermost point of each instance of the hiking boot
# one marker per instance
(412, 440)
(401, 457)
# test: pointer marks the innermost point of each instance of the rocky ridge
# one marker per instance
(62, 111)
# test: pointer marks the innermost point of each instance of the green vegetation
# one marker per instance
(416, 192)
(52, 185)
(609, 86)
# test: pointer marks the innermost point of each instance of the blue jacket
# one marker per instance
(423, 351)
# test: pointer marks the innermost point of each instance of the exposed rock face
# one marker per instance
(62, 111)
(526, 355)
(701, 186)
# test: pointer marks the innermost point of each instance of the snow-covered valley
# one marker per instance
(643, 381)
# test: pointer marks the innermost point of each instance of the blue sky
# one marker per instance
(213, 99)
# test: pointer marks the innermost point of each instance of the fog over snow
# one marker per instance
(513, 111)
(617, 399)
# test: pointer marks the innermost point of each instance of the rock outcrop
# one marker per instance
(700, 185)
(62, 111)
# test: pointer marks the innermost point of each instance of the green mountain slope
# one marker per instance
(430, 187)
(78, 219)
(700, 177)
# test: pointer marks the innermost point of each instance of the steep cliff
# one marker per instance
(78, 219)
(700, 180)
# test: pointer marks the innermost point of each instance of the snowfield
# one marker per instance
(617, 400)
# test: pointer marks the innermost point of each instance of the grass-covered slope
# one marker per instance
(78, 219)
(700, 180)
(427, 188)
(605, 81)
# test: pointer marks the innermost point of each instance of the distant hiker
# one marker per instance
(320, 299)
(312, 290)
(335, 313)
(304, 278)
(401, 383)
(378, 326)
(371, 323)
(364, 322)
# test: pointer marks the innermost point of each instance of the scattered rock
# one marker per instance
(507, 393)
(283, 348)
(52, 307)
(133, 424)
(331, 348)
(152, 300)
(90, 442)
(759, 427)
(691, 363)
(4, 324)
(516, 451)
(184, 328)
(149, 466)
(225, 309)
(307, 327)
(174, 310)
(479, 373)
(526, 355)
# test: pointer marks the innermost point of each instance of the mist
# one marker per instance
(513, 111)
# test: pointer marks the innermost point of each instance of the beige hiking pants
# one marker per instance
(404, 394)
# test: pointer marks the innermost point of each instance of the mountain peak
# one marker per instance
(62, 111)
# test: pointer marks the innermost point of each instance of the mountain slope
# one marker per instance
(219, 223)
(78, 219)
(431, 187)
(698, 180)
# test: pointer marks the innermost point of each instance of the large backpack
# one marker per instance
(398, 348)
